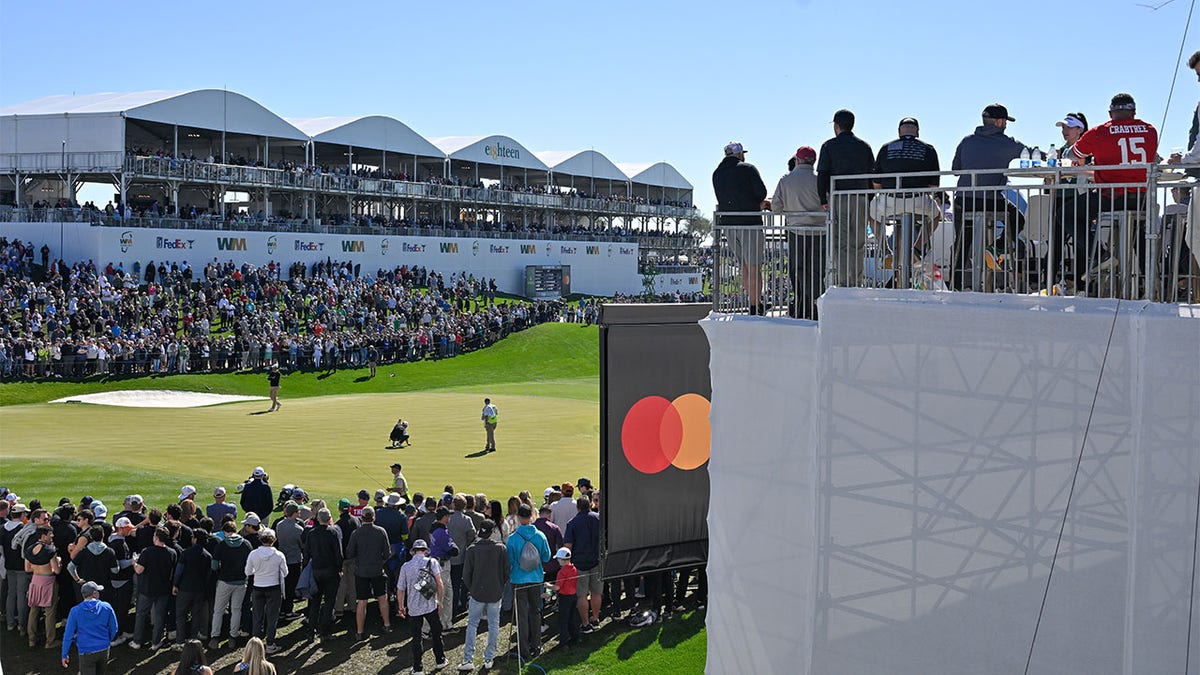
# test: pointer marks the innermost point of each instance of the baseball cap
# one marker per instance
(379, 495)
(395, 465)
(259, 471)
(733, 148)
(997, 111)
(290, 508)
(86, 502)
(420, 545)
(802, 152)
(363, 494)
(100, 510)
(91, 588)
(524, 511)
(563, 553)
(910, 120)
(123, 522)
(218, 491)
(12, 497)
(186, 491)
(18, 508)
(135, 499)
(549, 491)
(343, 503)
(587, 482)
(252, 519)
(485, 529)
(1076, 120)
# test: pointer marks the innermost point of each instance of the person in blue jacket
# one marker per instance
(92, 626)
(527, 577)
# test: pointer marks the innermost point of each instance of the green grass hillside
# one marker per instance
(553, 351)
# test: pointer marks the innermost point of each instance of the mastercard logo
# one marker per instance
(658, 433)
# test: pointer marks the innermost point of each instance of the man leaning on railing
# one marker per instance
(795, 194)
(740, 188)
(845, 155)
(1124, 139)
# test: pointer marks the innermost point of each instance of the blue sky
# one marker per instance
(637, 81)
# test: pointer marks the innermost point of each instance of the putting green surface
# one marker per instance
(53, 450)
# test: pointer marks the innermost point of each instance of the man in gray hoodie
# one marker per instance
(485, 569)
(462, 532)
(229, 562)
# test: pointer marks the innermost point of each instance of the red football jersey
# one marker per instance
(1129, 141)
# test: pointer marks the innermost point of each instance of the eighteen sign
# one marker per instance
(658, 433)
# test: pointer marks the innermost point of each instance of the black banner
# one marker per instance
(654, 441)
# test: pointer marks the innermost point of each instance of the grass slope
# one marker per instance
(553, 351)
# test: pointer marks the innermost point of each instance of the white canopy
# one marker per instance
(585, 163)
(491, 150)
(213, 109)
(374, 132)
(659, 174)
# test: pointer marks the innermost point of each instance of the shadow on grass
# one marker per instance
(363, 378)
(260, 412)
(474, 455)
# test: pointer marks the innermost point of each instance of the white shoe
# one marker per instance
(465, 667)
(418, 671)
(272, 649)
(442, 664)
(488, 664)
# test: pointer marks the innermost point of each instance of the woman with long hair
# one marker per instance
(192, 660)
(496, 515)
(254, 659)
(510, 519)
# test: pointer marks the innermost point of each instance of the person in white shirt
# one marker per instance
(1192, 158)
(268, 566)
(562, 511)
(796, 193)
(490, 416)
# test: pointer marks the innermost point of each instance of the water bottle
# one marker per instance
(1052, 156)
(1024, 158)
(1035, 157)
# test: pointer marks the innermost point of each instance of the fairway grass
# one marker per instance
(53, 450)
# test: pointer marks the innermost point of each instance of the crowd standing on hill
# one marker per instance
(191, 571)
(172, 317)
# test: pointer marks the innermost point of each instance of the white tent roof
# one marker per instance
(586, 163)
(213, 109)
(659, 174)
(494, 150)
(375, 132)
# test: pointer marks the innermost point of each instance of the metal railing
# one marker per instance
(1052, 231)
(9, 214)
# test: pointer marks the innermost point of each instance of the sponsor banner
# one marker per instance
(597, 268)
(655, 438)
(670, 282)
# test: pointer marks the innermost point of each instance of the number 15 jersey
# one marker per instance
(1130, 141)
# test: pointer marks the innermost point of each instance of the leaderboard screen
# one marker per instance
(546, 282)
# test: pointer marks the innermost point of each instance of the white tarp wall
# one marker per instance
(597, 268)
(947, 432)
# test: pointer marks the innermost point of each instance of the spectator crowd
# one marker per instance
(206, 576)
(172, 317)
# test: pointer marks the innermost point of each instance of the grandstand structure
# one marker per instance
(212, 154)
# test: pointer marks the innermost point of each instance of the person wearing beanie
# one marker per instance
(91, 626)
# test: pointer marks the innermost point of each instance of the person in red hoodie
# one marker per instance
(566, 585)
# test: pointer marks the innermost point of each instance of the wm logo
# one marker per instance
(231, 243)
(528, 248)
(448, 246)
(353, 246)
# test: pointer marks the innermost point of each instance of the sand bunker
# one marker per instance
(156, 398)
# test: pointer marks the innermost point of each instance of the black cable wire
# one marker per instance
(1178, 60)
(1192, 588)
(1071, 493)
